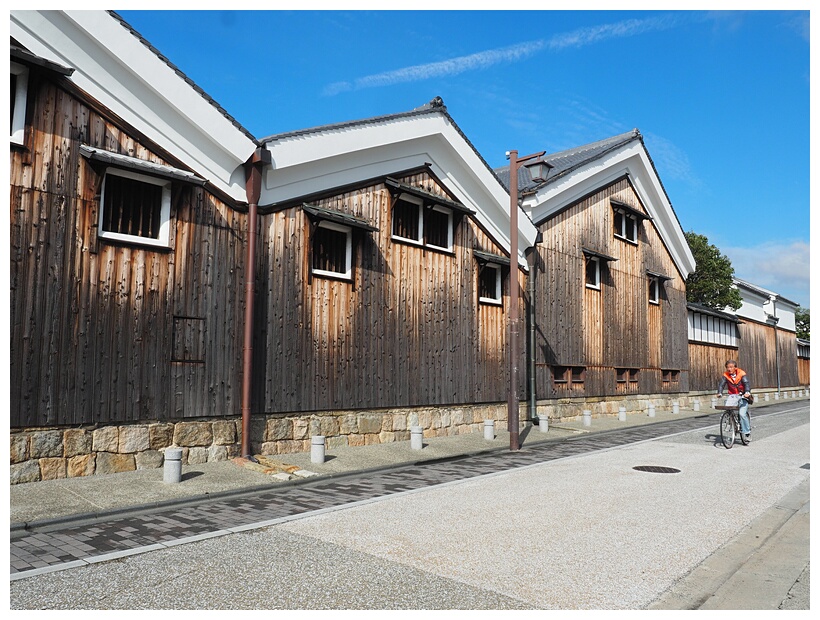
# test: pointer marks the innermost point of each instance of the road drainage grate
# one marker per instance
(656, 469)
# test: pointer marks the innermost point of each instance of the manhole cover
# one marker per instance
(656, 469)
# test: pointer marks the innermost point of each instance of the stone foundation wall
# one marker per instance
(48, 453)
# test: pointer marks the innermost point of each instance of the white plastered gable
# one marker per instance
(314, 161)
(629, 160)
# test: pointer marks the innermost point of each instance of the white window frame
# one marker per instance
(654, 299)
(348, 272)
(449, 213)
(498, 297)
(163, 237)
(597, 285)
(625, 215)
(18, 122)
(420, 205)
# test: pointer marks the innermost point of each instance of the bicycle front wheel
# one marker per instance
(727, 429)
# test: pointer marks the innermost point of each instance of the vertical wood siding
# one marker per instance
(757, 355)
(92, 323)
(408, 330)
(615, 327)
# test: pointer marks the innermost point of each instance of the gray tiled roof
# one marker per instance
(188, 80)
(566, 161)
(435, 106)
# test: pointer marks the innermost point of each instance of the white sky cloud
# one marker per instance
(513, 53)
(780, 266)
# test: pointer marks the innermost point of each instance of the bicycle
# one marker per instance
(730, 425)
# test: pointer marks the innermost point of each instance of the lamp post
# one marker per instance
(539, 171)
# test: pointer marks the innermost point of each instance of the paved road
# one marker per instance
(563, 526)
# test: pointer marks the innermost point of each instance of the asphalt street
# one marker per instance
(582, 531)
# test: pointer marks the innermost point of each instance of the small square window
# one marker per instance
(625, 226)
(560, 374)
(626, 379)
(593, 272)
(489, 284)
(577, 374)
(332, 250)
(670, 376)
(135, 208)
(438, 228)
(654, 287)
(407, 220)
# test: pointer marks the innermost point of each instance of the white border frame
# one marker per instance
(18, 122)
(163, 239)
(348, 231)
(498, 300)
(597, 261)
(413, 200)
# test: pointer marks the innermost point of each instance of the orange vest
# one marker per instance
(733, 386)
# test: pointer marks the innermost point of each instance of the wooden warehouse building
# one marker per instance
(177, 281)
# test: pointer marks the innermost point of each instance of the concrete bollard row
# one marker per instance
(543, 423)
(622, 413)
(651, 411)
(587, 417)
(696, 404)
(489, 430)
(675, 406)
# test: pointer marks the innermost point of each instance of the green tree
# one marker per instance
(801, 318)
(711, 283)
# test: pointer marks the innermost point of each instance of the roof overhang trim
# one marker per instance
(622, 206)
(657, 275)
(139, 165)
(606, 257)
(489, 257)
(396, 188)
(27, 58)
(319, 213)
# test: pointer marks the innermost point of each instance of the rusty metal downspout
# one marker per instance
(253, 189)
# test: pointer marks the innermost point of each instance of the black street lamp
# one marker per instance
(538, 170)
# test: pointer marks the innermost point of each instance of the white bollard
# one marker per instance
(696, 404)
(587, 417)
(317, 449)
(172, 469)
(785, 395)
(416, 438)
(800, 393)
(807, 393)
(714, 403)
(651, 410)
(489, 429)
(543, 423)
(675, 406)
(766, 397)
(792, 393)
(622, 413)
(777, 395)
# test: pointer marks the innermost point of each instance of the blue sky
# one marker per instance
(722, 98)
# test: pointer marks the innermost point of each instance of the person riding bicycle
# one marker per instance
(736, 381)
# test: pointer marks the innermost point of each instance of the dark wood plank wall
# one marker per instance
(707, 364)
(615, 327)
(407, 331)
(804, 371)
(92, 323)
(757, 356)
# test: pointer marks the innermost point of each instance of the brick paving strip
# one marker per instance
(35, 552)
